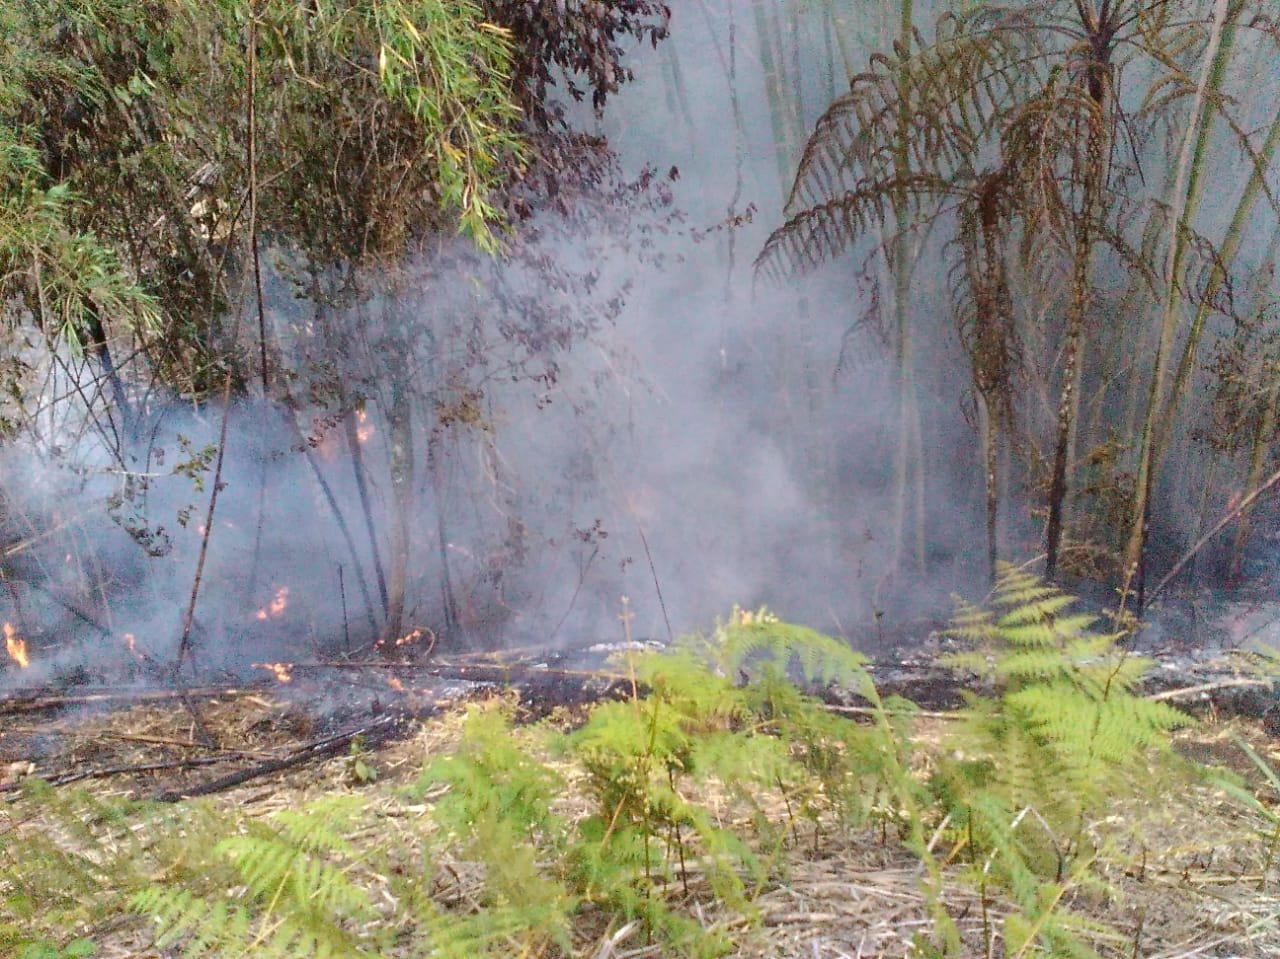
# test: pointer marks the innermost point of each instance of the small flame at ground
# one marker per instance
(395, 684)
(406, 640)
(364, 429)
(277, 605)
(15, 646)
(280, 670)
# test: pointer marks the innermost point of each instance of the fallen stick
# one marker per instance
(102, 772)
(477, 672)
(31, 703)
(320, 749)
(123, 737)
(1181, 691)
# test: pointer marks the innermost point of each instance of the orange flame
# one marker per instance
(131, 643)
(280, 670)
(395, 684)
(277, 605)
(364, 429)
(406, 640)
(15, 646)
(409, 638)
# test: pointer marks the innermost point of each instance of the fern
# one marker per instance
(755, 640)
(1071, 687)
(1066, 730)
(295, 895)
(498, 813)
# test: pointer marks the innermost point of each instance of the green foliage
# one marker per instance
(372, 123)
(1068, 699)
(44, 949)
(497, 813)
(296, 895)
(1067, 731)
(482, 857)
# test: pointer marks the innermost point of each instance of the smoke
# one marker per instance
(620, 411)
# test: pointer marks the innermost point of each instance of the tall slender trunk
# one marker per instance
(351, 431)
(98, 340)
(989, 439)
(1186, 192)
(901, 254)
(452, 626)
(1077, 309)
(400, 455)
(1257, 460)
(775, 89)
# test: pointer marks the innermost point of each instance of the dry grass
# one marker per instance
(1182, 864)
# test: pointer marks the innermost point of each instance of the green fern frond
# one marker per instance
(1035, 606)
(759, 639)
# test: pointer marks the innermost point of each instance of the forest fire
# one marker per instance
(279, 603)
(281, 671)
(16, 646)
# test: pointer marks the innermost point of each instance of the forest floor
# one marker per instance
(1194, 879)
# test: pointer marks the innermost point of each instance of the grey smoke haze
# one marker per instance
(667, 424)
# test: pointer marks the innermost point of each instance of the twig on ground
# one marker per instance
(101, 772)
(320, 749)
(1208, 688)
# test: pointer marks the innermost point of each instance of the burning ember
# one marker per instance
(15, 646)
(276, 606)
(395, 684)
(407, 639)
(280, 670)
(364, 429)
(131, 644)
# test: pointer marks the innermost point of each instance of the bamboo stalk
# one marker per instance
(1185, 199)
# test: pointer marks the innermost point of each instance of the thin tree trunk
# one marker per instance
(1257, 459)
(901, 254)
(400, 454)
(989, 439)
(772, 66)
(1186, 193)
(452, 627)
(1076, 311)
(98, 340)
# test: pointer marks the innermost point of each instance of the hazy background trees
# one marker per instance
(480, 310)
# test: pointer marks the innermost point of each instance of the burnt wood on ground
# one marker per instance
(371, 734)
(42, 698)
(1215, 686)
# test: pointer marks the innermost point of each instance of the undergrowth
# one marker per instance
(652, 817)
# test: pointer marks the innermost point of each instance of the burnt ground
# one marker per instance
(1194, 881)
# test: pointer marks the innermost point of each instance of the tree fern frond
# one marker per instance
(818, 234)
(954, 87)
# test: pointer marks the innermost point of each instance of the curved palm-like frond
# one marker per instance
(899, 136)
(822, 232)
